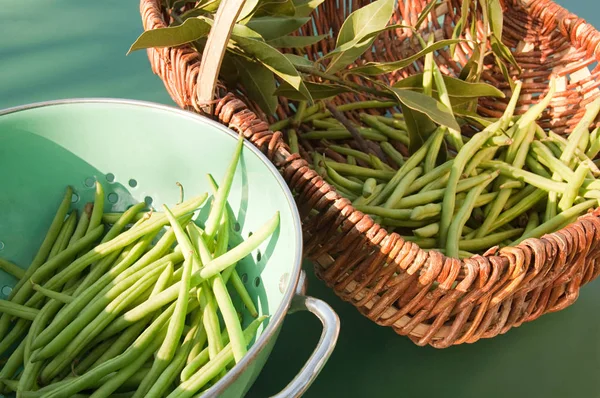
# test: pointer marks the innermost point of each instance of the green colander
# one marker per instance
(139, 151)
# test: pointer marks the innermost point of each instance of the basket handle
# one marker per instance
(212, 56)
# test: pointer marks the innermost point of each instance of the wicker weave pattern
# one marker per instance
(392, 281)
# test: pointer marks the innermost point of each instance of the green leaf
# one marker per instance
(496, 17)
(273, 27)
(296, 41)
(360, 25)
(259, 83)
(435, 110)
(425, 13)
(304, 8)
(192, 29)
(419, 127)
(276, 8)
(347, 53)
(273, 60)
(249, 8)
(377, 68)
(501, 51)
(317, 91)
(244, 31)
(298, 60)
(454, 86)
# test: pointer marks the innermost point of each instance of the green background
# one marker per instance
(66, 49)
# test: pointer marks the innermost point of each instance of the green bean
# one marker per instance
(434, 149)
(206, 298)
(125, 339)
(526, 176)
(453, 135)
(351, 160)
(342, 134)
(40, 257)
(86, 335)
(216, 210)
(370, 104)
(101, 287)
(12, 269)
(545, 157)
(432, 196)
(18, 310)
(536, 166)
(167, 349)
(98, 209)
(437, 174)
(561, 144)
(510, 184)
(426, 211)
(466, 152)
(491, 240)
(293, 141)
(360, 171)
(461, 217)
(342, 181)
(532, 222)
(398, 214)
(378, 164)
(45, 269)
(536, 110)
(409, 165)
(196, 381)
(99, 351)
(428, 66)
(519, 208)
(150, 337)
(227, 311)
(384, 129)
(12, 364)
(392, 153)
(402, 187)
(368, 187)
(16, 333)
(222, 247)
(111, 218)
(127, 237)
(594, 148)
(58, 296)
(350, 152)
(427, 231)
(512, 105)
(322, 124)
(518, 161)
(64, 235)
(156, 387)
(575, 137)
(573, 187)
(362, 201)
(557, 221)
(437, 184)
(209, 270)
(47, 312)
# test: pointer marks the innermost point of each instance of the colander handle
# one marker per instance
(319, 357)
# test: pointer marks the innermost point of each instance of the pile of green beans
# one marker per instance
(458, 193)
(144, 309)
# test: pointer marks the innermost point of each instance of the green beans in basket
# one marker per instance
(507, 182)
(108, 313)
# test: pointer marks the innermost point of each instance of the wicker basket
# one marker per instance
(388, 279)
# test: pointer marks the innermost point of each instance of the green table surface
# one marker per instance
(66, 49)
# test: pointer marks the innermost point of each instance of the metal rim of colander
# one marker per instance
(276, 319)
